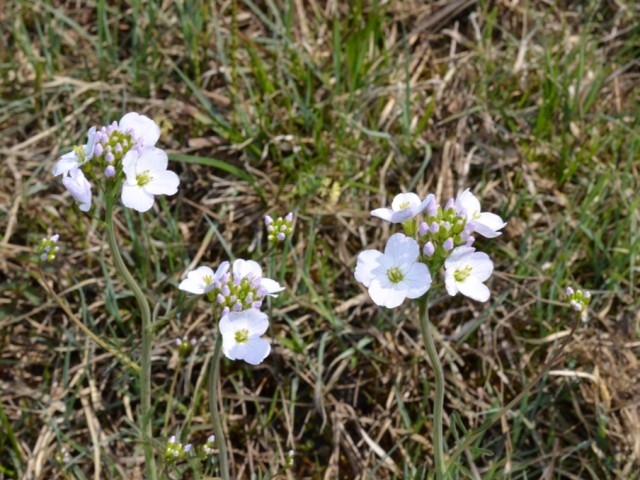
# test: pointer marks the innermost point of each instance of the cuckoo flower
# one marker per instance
(147, 176)
(395, 274)
(465, 270)
(241, 333)
(405, 206)
(485, 223)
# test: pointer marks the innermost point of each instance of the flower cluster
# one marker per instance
(209, 446)
(444, 238)
(174, 451)
(47, 248)
(578, 299)
(124, 153)
(237, 292)
(279, 229)
(63, 457)
(185, 345)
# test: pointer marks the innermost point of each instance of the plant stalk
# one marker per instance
(147, 340)
(438, 403)
(214, 378)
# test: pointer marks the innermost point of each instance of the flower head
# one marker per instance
(147, 175)
(395, 274)
(47, 248)
(279, 229)
(405, 206)
(465, 270)
(241, 333)
(174, 450)
(485, 223)
(578, 299)
(202, 280)
(78, 157)
(79, 188)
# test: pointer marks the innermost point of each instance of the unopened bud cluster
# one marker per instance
(63, 457)
(578, 299)
(209, 446)
(47, 248)
(176, 451)
(235, 293)
(111, 144)
(443, 230)
(185, 345)
(279, 229)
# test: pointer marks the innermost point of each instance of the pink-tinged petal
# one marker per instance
(386, 297)
(257, 321)
(256, 350)
(129, 166)
(154, 160)
(457, 254)
(246, 268)
(450, 283)
(402, 249)
(227, 326)
(474, 289)
(367, 262)
(467, 202)
(67, 162)
(222, 269)
(482, 266)
(404, 200)
(417, 280)
(271, 286)
(488, 225)
(143, 128)
(163, 183)
(383, 213)
(79, 188)
(135, 197)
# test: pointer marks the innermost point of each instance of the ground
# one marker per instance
(327, 109)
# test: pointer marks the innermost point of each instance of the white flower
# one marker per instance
(252, 271)
(144, 131)
(203, 280)
(77, 157)
(465, 271)
(147, 175)
(79, 188)
(395, 274)
(241, 336)
(485, 223)
(404, 207)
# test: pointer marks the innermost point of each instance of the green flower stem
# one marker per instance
(214, 377)
(147, 339)
(438, 407)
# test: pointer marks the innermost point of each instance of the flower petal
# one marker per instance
(163, 183)
(401, 249)
(367, 262)
(405, 200)
(468, 203)
(154, 160)
(417, 280)
(386, 297)
(194, 283)
(67, 162)
(135, 197)
(129, 166)
(246, 268)
(450, 283)
(271, 286)
(144, 129)
(482, 266)
(488, 225)
(474, 289)
(383, 213)
(257, 321)
(256, 350)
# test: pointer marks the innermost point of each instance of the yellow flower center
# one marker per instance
(143, 178)
(242, 336)
(395, 275)
(461, 274)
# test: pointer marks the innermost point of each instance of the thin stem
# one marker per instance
(119, 355)
(147, 340)
(438, 406)
(214, 378)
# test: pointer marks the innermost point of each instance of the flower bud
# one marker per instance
(448, 244)
(428, 249)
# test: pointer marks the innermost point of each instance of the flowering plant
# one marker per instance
(442, 240)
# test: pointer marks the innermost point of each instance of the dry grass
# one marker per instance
(328, 110)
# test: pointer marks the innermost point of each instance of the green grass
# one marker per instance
(328, 113)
